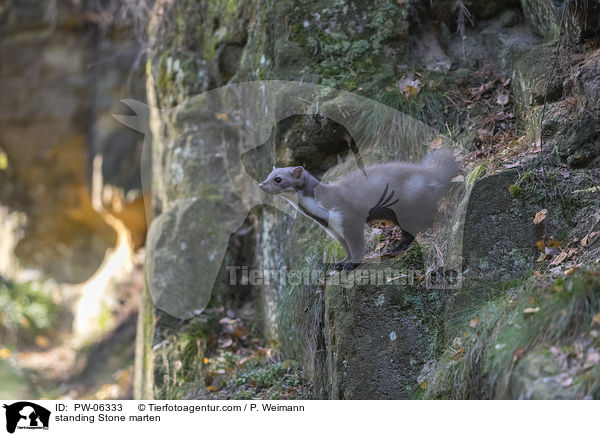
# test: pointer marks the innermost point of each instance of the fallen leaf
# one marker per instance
(212, 388)
(474, 322)
(567, 382)
(586, 241)
(537, 274)
(553, 243)
(596, 318)
(484, 134)
(263, 352)
(206, 360)
(531, 310)
(559, 259)
(424, 385)
(518, 353)
(411, 90)
(222, 116)
(225, 343)
(592, 358)
(436, 143)
(4, 353)
(540, 216)
(502, 99)
(458, 354)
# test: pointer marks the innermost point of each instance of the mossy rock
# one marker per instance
(396, 323)
(544, 17)
(537, 78)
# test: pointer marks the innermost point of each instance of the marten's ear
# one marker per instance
(297, 172)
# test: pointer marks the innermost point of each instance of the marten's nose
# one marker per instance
(261, 184)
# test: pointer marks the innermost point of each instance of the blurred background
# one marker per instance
(72, 221)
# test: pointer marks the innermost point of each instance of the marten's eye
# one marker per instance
(277, 179)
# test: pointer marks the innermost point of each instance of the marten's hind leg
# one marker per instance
(403, 243)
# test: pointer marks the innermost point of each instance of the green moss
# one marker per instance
(476, 173)
(349, 52)
(478, 361)
(25, 311)
(515, 191)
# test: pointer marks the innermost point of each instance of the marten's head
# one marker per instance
(284, 180)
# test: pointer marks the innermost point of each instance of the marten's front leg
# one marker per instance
(340, 265)
(355, 238)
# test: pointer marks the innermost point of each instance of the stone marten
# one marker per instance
(404, 193)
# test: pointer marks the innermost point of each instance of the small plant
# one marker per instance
(25, 311)
(515, 191)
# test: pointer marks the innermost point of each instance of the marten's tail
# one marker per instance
(443, 162)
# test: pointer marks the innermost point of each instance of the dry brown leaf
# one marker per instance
(436, 143)
(537, 274)
(518, 353)
(263, 352)
(424, 385)
(559, 259)
(540, 216)
(587, 239)
(474, 322)
(459, 354)
(531, 310)
(596, 318)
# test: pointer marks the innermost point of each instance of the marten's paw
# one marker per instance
(339, 266)
(349, 266)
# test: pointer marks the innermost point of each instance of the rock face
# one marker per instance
(55, 121)
(364, 340)
(396, 323)
(70, 190)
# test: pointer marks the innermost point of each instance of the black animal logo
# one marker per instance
(383, 211)
(26, 415)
